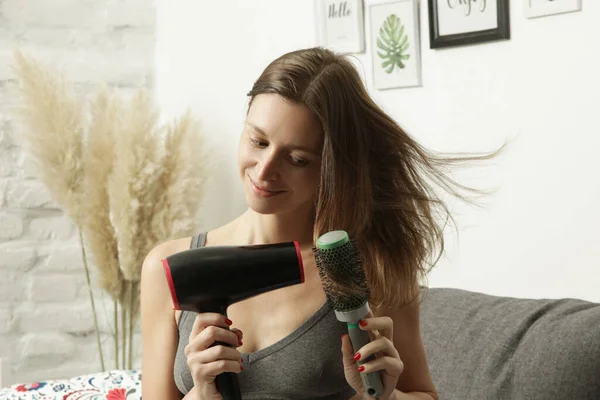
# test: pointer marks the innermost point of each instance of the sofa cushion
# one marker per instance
(487, 347)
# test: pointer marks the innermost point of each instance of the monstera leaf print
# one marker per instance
(394, 43)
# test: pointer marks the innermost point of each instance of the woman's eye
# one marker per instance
(258, 143)
(298, 161)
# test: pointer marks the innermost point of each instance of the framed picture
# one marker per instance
(462, 22)
(395, 40)
(340, 25)
(541, 8)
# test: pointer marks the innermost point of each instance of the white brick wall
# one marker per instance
(46, 325)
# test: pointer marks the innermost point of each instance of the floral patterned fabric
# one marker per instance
(111, 385)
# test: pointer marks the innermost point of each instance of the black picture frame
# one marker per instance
(436, 41)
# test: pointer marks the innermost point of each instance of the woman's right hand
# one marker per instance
(206, 362)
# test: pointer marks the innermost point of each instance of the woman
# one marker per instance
(316, 154)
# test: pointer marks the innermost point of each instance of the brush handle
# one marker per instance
(372, 380)
(227, 382)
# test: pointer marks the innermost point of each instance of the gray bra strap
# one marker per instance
(198, 240)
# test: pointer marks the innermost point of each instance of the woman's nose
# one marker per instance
(267, 167)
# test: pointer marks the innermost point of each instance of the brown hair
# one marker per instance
(376, 181)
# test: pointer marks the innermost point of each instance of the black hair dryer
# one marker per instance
(209, 279)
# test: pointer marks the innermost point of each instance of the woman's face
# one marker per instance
(279, 156)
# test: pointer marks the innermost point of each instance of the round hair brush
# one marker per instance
(345, 285)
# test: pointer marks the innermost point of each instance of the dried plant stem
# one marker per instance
(123, 332)
(116, 335)
(89, 285)
(130, 343)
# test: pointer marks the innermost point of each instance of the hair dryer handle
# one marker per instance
(227, 382)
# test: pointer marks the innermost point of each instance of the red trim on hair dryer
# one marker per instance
(165, 263)
(300, 264)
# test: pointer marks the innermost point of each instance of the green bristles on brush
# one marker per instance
(345, 285)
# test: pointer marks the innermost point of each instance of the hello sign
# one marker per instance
(340, 25)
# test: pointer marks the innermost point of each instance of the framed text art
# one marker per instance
(462, 22)
(542, 8)
(340, 25)
(395, 43)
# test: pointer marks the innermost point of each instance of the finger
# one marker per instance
(373, 333)
(218, 352)
(391, 366)
(383, 325)
(207, 372)
(381, 345)
(204, 320)
(218, 367)
(239, 334)
(347, 352)
(208, 336)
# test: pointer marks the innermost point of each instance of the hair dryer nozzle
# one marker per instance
(209, 279)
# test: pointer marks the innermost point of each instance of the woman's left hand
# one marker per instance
(381, 332)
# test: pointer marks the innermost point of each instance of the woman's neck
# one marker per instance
(276, 228)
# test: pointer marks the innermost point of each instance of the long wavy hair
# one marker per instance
(377, 183)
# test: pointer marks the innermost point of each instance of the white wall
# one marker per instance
(46, 323)
(538, 234)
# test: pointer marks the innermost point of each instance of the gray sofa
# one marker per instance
(483, 347)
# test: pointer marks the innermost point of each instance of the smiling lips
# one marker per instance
(263, 192)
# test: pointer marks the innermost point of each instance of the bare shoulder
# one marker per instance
(155, 294)
(158, 253)
(153, 274)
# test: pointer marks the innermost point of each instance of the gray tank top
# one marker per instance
(307, 364)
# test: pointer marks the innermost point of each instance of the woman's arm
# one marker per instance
(159, 331)
(192, 395)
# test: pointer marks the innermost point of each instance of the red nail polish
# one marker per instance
(363, 323)
(241, 343)
(241, 368)
(361, 368)
(228, 321)
(357, 357)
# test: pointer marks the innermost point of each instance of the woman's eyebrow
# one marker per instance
(256, 128)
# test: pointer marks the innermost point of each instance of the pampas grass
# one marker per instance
(128, 182)
(137, 169)
(179, 187)
(100, 233)
(101, 236)
(54, 140)
(54, 120)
